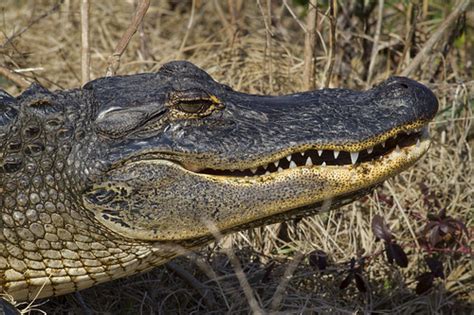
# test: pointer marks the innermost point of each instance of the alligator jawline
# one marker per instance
(322, 158)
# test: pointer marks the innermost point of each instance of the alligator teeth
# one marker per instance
(320, 152)
(324, 164)
(309, 162)
(417, 142)
(383, 144)
(267, 172)
(397, 148)
(369, 150)
(276, 163)
(336, 154)
(288, 158)
(292, 164)
(354, 156)
(253, 170)
(279, 169)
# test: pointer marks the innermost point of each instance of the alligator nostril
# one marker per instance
(403, 85)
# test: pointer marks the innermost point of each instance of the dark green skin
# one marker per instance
(54, 146)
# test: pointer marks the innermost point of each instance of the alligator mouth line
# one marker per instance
(322, 158)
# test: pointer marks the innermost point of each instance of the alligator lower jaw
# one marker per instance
(405, 147)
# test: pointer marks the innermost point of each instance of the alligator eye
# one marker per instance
(195, 106)
(193, 103)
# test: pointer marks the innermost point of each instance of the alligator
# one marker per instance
(127, 172)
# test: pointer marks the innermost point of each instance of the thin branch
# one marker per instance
(228, 26)
(32, 22)
(114, 59)
(267, 20)
(435, 37)
(239, 272)
(85, 50)
(16, 78)
(203, 290)
(410, 38)
(277, 297)
(375, 45)
(332, 39)
(188, 30)
(285, 3)
(309, 70)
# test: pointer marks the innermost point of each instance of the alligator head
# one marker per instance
(182, 149)
(150, 159)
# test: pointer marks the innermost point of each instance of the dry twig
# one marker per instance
(114, 59)
(375, 44)
(239, 272)
(54, 8)
(309, 72)
(85, 50)
(267, 20)
(16, 78)
(440, 32)
(332, 38)
(188, 30)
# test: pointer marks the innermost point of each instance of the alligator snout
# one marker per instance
(416, 96)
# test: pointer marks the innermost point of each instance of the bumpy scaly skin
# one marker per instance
(103, 182)
(47, 241)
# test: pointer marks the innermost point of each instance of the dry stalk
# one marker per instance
(309, 70)
(144, 49)
(85, 50)
(435, 37)
(188, 30)
(332, 39)
(267, 20)
(280, 290)
(239, 272)
(285, 3)
(31, 23)
(114, 59)
(410, 38)
(16, 78)
(375, 44)
(227, 26)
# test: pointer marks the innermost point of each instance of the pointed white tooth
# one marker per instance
(309, 161)
(354, 157)
(292, 164)
(336, 154)
(369, 150)
(383, 144)
(253, 170)
(408, 133)
(279, 169)
(267, 172)
(418, 142)
(320, 152)
(276, 163)
(324, 164)
(288, 158)
(397, 148)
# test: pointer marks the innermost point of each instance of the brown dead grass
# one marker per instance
(239, 55)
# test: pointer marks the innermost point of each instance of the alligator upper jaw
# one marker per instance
(314, 156)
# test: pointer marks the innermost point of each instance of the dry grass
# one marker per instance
(253, 56)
